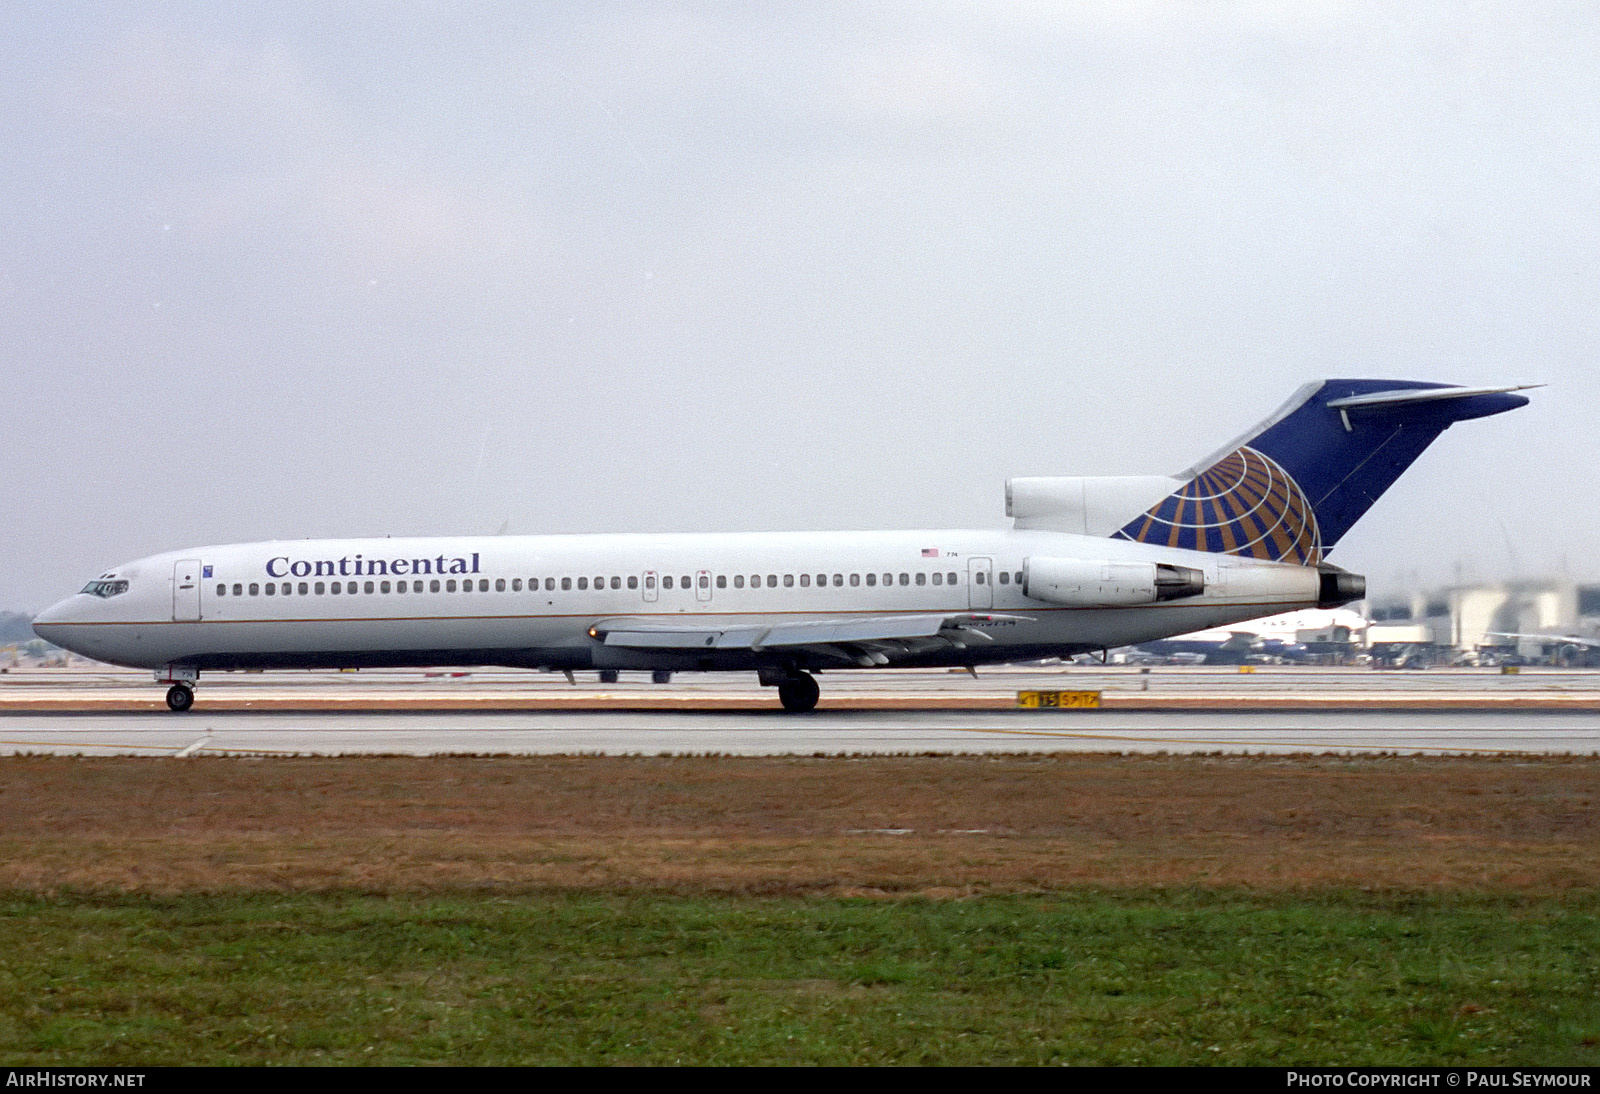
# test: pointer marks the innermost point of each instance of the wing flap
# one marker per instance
(652, 634)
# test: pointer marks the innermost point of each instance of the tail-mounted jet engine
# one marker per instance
(1088, 583)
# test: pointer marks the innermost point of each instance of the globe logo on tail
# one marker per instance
(1244, 504)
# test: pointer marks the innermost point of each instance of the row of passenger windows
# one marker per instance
(482, 585)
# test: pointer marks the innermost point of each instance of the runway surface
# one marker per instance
(843, 732)
(1276, 710)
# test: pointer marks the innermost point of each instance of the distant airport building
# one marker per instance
(1550, 621)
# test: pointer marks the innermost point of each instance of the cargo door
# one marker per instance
(186, 591)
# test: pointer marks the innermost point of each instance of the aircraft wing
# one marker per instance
(1571, 639)
(658, 634)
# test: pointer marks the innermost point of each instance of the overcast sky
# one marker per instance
(285, 270)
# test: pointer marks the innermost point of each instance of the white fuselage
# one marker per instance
(534, 600)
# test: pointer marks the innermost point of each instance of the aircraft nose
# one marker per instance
(47, 623)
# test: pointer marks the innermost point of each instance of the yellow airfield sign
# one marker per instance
(1057, 700)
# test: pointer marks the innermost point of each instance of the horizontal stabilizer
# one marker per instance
(1412, 396)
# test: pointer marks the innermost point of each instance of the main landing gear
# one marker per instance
(798, 693)
(180, 697)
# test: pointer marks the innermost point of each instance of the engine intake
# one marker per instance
(1093, 583)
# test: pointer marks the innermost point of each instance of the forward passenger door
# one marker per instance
(186, 591)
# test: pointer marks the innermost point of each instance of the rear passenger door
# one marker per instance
(980, 583)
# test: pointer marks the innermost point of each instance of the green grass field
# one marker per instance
(1086, 976)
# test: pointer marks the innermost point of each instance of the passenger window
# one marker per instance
(483, 585)
(433, 586)
(1005, 578)
(805, 581)
(772, 581)
(550, 584)
(516, 584)
(922, 579)
(288, 587)
(872, 579)
(302, 588)
(938, 579)
(666, 581)
(978, 577)
(685, 583)
(499, 584)
(738, 581)
(1019, 577)
(319, 588)
(855, 579)
(633, 582)
(905, 579)
(722, 581)
(400, 586)
(650, 581)
(383, 587)
(888, 579)
(616, 583)
(222, 590)
(599, 583)
(583, 583)
(838, 580)
(450, 586)
(788, 581)
(271, 589)
(350, 588)
(238, 590)
(336, 588)
(255, 590)
(369, 586)
(950, 580)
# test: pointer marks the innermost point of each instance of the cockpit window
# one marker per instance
(106, 588)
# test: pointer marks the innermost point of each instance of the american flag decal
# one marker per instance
(930, 552)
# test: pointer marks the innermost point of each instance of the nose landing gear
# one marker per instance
(180, 696)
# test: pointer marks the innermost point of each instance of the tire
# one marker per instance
(180, 697)
(608, 676)
(799, 694)
(661, 676)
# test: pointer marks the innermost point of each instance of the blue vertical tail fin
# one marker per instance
(1290, 488)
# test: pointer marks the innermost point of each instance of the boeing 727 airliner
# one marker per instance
(1089, 564)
